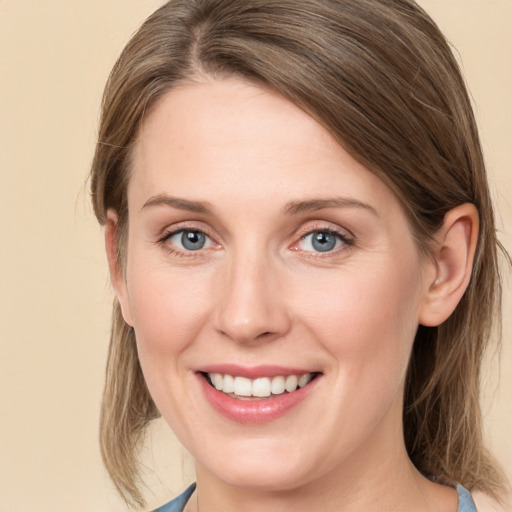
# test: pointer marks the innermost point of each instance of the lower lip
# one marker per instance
(254, 411)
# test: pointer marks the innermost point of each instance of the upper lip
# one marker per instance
(253, 372)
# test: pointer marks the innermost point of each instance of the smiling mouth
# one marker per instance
(244, 388)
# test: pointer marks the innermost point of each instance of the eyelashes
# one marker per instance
(190, 240)
(187, 242)
(313, 241)
(322, 241)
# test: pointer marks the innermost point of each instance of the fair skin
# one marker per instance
(255, 240)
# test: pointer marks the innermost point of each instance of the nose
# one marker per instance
(251, 306)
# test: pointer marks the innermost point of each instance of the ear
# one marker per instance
(116, 272)
(451, 266)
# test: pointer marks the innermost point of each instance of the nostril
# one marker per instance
(264, 334)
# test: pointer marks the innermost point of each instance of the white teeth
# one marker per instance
(305, 379)
(243, 386)
(217, 381)
(277, 386)
(261, 387)
(229, 384)
(291, 383)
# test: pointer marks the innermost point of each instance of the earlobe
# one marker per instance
(116, 272)
(452, 264)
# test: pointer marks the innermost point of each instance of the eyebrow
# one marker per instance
(294, 207)
(291, 208)
(177, 202)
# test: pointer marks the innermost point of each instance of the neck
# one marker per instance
(374, 493)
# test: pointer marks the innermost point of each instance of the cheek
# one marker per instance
(168, 308)
(368, 320)
(366, 323)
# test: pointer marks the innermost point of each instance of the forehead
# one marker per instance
(224, 139)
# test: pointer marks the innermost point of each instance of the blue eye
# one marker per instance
(190, 240)
(321, 241)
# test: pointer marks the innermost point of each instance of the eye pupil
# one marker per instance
(323, 241)
(193, 240)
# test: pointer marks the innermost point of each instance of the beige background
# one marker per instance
(54, 292)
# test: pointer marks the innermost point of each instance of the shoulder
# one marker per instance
(485, 503)
(178, 503)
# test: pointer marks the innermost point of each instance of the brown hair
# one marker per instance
(380, 76)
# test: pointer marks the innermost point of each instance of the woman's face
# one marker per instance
(259, 249)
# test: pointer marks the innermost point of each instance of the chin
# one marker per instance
(262, 478)
(262, 468)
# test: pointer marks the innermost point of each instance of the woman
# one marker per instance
(302, 245)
